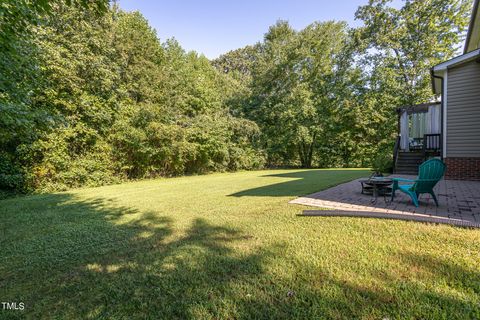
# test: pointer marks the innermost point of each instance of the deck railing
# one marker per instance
(430, 145)
(431, 142)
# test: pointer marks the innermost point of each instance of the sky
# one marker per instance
(213, 27)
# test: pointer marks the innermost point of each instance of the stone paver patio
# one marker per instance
(459, 203)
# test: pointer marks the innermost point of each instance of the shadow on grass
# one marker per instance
(303, 182)
(71, 258)
(431, 288)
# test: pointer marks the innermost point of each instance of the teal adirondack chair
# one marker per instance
(429, 173)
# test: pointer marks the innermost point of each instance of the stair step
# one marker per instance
(406, 171)
(410, 160)
(413, 173)
(409, 157)
(413, 155)
(404, 164)
(410, 164)
(407, 167)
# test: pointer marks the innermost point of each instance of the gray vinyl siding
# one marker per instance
(463, 110)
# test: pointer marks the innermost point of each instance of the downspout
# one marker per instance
(442, 108)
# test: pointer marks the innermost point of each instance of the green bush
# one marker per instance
(383, 162)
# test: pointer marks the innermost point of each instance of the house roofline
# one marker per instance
(438, 70)
(475, 13)
(469, 56)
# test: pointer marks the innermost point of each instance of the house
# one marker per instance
(457, 140)
(458, 82)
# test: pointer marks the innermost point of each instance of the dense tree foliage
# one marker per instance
(326, 95)
(89, 95)
(305, 85)
(100, 99)
(401, 45)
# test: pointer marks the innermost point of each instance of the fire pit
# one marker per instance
(377, 186)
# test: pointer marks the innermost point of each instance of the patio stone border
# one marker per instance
(394, 216)
(459, 204)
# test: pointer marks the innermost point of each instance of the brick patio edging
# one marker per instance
(459, 203)
(381, 215)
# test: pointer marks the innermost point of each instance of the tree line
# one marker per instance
(89, 95)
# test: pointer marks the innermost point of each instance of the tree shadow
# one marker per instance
(91, 259)
(303, 182)
(429, 287)
(77, 258)
(444, 290)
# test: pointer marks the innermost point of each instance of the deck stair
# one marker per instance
(408, 162)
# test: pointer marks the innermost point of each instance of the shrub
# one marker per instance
(383, 162)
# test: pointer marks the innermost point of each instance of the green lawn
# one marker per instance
(228, 246)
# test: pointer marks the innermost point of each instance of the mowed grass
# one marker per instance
(228, 246)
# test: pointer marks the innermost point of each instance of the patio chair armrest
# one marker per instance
(426, 180)
(403, 180)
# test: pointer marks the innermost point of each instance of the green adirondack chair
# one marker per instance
(429, 173)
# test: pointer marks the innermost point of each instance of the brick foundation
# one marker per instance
(463, 169)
